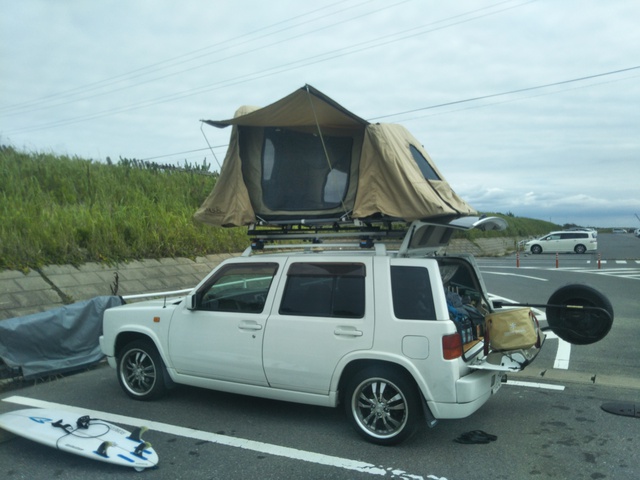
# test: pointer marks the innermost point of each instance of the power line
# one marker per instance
(457, 102)
(509, 100)
(175, 61)
(510, 92)
(323, 57)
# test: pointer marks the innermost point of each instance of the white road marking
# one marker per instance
(562, 355)
(252, 445)
(516, 275)
(546, 386)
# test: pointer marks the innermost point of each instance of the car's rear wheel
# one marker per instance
(580, 249)
(383, 405)
(141, 371)
(536, 249)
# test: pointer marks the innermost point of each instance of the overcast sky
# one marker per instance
(132, 78)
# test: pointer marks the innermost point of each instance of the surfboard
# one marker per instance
(82, 435)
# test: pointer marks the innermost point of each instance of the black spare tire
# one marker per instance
(572, 322)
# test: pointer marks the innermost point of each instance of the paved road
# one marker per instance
(548, 426)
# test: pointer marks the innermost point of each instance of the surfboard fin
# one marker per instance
(102, 449)
(137, 434)
(141, 448)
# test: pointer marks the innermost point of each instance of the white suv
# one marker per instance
(564, 241)
(370, 329)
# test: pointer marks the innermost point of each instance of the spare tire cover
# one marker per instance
(577, 325)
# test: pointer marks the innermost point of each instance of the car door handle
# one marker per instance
(347, 332)
(249, 325)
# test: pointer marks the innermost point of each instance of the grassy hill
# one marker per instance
(68, 210)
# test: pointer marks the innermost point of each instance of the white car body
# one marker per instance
(246, 335)
(577, 241)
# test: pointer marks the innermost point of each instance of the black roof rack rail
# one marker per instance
(365, 233)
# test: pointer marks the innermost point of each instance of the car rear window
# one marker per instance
(411, 290)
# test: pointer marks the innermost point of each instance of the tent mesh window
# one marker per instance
(298, 175)
(427, 171)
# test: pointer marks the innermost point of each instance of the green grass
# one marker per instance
(68, 210)
(62, 210)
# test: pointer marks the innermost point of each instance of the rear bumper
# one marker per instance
(472, 391)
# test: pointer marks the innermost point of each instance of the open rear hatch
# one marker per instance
(424, 238)
(517, 337)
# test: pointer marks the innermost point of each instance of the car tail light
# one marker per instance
(452, 346)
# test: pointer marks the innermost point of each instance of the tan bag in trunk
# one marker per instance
(512, 329)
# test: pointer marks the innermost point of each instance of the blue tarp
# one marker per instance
(55, 341)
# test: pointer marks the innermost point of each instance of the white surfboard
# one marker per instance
(81, 435)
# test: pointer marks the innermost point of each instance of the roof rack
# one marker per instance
(301, 231)
(373, 248)
(324, 236)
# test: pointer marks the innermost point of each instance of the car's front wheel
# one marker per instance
(383, 405)
(536, 249)
(141, 371)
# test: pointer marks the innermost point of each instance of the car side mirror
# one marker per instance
(190, 302)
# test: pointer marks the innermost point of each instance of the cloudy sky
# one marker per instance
(527, 107)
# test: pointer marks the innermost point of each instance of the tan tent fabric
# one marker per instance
(306, 107)
(392, 184)
(286, 162)
(228, 204)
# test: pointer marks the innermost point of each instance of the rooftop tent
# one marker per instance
(306, 159)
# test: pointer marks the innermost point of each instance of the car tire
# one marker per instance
(576, 325)
(536, 249)
(141, 371)
(580, 249)
(383, 404)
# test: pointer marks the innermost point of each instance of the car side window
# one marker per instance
(325, 290)
(241, 288)
(411, 291)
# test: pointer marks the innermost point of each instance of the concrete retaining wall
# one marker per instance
(484, 247)
(57, 285)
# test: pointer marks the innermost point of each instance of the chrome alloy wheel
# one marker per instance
(380, 408)
(138, 372)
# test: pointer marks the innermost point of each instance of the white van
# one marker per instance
(565, 241)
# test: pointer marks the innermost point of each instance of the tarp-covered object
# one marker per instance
(305, 158)
(55, 341)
